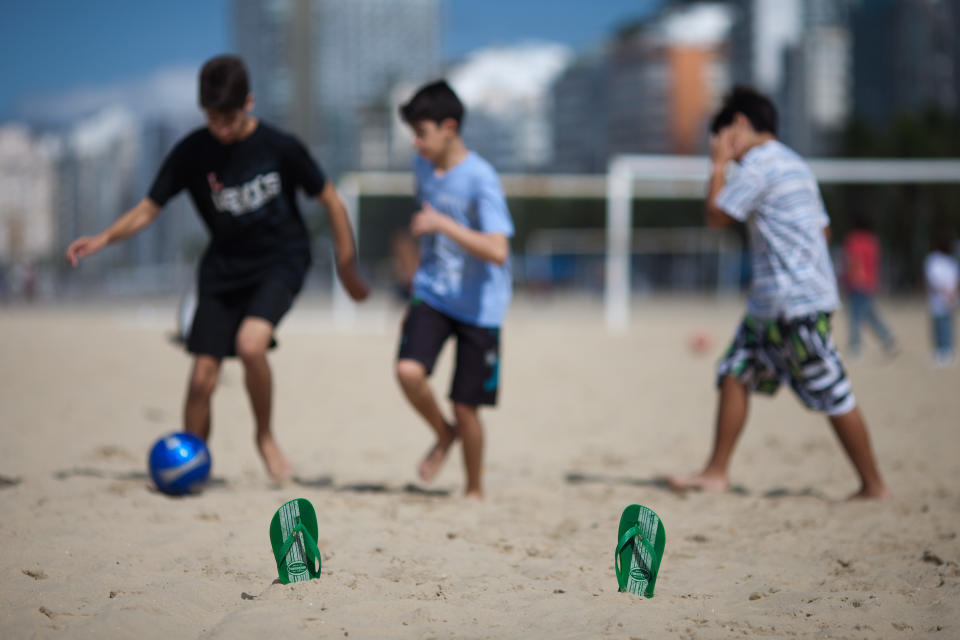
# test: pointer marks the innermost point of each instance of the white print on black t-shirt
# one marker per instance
(247, 197)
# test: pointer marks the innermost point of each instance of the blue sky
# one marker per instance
(474, 23)
(53, 47)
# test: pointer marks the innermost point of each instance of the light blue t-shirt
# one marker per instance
(449, 279)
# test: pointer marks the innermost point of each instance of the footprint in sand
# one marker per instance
(113, 452)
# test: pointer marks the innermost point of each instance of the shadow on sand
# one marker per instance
(326, 482)
(806, 492)
(318, 482)
(655, 482)
(127, 476)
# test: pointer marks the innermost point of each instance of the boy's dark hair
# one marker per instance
(756, 107)
(223, 84)
(434, 102)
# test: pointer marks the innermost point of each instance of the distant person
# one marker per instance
(785, 334)
(462, 286)
(861, 251)
(941, 274)
(24, 275)
(243, 176)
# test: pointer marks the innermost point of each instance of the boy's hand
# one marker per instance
(721, 147)
(354, 285)
(428, 220)
(85, 246)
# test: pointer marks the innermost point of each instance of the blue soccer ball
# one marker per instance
(179, 463)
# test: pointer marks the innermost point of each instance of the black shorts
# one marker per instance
(477, 374)
(217, 319)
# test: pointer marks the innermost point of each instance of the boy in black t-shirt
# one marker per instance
(242, 176)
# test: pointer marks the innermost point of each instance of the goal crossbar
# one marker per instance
(662, 176)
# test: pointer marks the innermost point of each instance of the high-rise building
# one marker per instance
(799, 52)
(96, 179)
(324, 69)
(906, 58)
(177, 235)
(27, 220)
(580, 116)
(651, 90)
(761, 32)
(637, 93)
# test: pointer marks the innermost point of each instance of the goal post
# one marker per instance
(630, 176)
(662, 176)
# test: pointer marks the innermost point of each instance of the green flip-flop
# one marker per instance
(640, 543)
(293, 536)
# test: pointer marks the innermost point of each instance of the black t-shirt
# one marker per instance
(246, 194)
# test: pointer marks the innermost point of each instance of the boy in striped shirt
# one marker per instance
(785, 334)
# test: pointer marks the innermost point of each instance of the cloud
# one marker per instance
(166, 92)
(497, 78)
(700, 24)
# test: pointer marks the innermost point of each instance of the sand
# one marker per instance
(588, 423)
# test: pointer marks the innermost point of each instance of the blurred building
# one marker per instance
(800, 52)
(27, 217)
(580, 115)
(652, 89)
(820, 77)
(698, 62)
(96, 180)
(506, 92)
(906, 58)
(177, 235)
(867, 58)
(325, 69)
(637, 92)
(761, 33)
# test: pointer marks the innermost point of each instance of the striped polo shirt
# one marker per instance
(775, 193)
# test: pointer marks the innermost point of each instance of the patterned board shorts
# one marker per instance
(799, 351)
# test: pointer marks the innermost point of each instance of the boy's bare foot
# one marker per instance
(277, 465)
(880, 493)
(474, 495)
(431, 464)
(711, 483)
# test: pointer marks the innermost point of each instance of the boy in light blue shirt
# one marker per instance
(462, 286)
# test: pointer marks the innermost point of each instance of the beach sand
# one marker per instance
(588, 423)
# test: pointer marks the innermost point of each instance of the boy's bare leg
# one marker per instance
(253, 340)
(196, 409)
(471, 432)
(412, 376)
(731, 416)
(852, 433)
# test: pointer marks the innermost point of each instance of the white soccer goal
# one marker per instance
(353, 186)
(685, 177)
(631, 177)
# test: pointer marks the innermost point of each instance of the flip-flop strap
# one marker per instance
(313, 553)
(628, 536)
